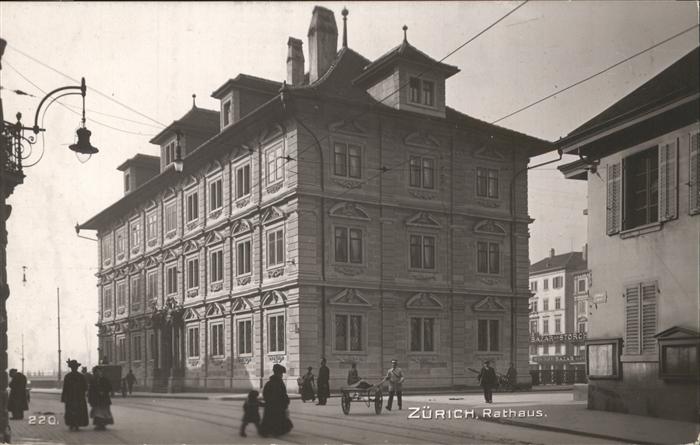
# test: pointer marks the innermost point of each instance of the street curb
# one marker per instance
(556, 429)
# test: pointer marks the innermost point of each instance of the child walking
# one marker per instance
(250, 412)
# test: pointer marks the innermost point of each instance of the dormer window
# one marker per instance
(227, 113)
(126, 182)
(170, 153)
(422, 92)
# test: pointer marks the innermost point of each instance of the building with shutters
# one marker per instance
(640, 158)
(559, 285)
(347, 213)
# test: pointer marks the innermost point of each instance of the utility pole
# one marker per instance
(22, 352)
(58, 304)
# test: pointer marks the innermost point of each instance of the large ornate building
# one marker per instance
(346, 213)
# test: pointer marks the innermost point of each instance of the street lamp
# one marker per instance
(12, 143)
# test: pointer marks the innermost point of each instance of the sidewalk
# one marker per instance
(577, 419)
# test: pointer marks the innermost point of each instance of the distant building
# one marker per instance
(347, 213)
(555, 334)
(641, 160)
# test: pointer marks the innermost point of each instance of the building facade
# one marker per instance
(555, 334)
(640, 159)
(347, 213)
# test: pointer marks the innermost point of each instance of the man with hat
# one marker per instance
(17, 403)
(395, 378)
(275, 420)
(488, 380)
(73, 396)
(324, 389)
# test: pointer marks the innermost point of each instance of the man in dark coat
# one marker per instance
(488, 380)
(17, 404)
(130, 380)
(275, 420)
(324, 390)
(73, 396)
(512, 377)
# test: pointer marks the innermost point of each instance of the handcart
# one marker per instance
(361, 391)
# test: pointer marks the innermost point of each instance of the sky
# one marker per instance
(143, 61)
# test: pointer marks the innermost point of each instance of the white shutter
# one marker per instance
(614, 198)
(649, 291)
(632, 320)
(668, 181)
(694, 190)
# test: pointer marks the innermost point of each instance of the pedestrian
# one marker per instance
(123, 386)
(308, 386)
(73, 397)
(395, 378)
(105, 360)
(324, 391)
(130, 380)
(17, 404)
(353, 376)
(488, 380)
(512, 377)
(87, 375)
(275, 420)
(100, 401)
(251, 413)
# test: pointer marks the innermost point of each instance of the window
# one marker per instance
(108, 350)
(275, 248)
(545, 350)
(488, 257)
(275, 333)
(694, 174)
(557, 282)
(152, 225)
(121, 294)
(274, 162)
(422, 172)
(422, 252)
(126, 182)
(545, 304)
(348, 332)
(557, 348)
(533, 327)
(107, 248)
(152, 285)
(121, 349)
(215, 194)
(421, 91)
(193, 342)
(171, 280)
(121, 242)
(107, 298)
(488, 335)
(170, 217)
(135, 234)
(533, 349)
(245, 337)
(348, 245)
(227, 113)
(136, 340)
(217, 339)
(545, 284)
(557, 303)
(169, 153)
(347, 160)
(581, 285)
(242, 181)
(533, 286)
(582, 327)
(243, 257)
(153, 345)
(640, 318)
(422, 334)
(487, 182)
(136, 291)
(557, 325)
(641, 188)
(192, 211)
(192, 273)
(545, 326)
(216, 266)
(581, 308)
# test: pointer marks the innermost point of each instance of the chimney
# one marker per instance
(295, 62)
(551, 253)
(323, 42)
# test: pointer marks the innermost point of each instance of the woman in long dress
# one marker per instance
(73, 396)
(100, 401)
(307, 386)
(276, 417)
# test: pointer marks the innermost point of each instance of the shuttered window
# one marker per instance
(614, 200)
(668, 181)
(640, 318)
(694, 177)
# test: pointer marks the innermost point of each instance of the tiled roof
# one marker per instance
(198, 119)
(570, 261)
(248, 82)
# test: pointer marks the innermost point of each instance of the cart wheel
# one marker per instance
(345, 403)
(378, 402)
